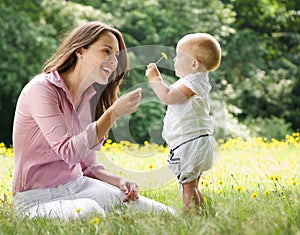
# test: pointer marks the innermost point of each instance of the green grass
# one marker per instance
(252, 189)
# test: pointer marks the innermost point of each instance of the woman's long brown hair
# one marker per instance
(82, 37)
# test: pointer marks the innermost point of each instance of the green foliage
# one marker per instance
(262, 60)
(269, 128)
(65, 15)
(22, 41)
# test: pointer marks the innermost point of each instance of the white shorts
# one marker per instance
(192, 158)
(77, 198)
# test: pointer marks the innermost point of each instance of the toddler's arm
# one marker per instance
(166, 94)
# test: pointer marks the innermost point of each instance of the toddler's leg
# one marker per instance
(191, 196)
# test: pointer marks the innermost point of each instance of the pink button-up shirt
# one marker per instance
(53, 142)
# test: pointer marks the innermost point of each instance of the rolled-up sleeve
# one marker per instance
(90, 166)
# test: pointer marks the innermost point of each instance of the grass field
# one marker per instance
(253, 188)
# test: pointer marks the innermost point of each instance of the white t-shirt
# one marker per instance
(190, 118)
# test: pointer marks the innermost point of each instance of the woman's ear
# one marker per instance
(79, 52)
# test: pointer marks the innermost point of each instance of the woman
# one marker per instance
(62, 118)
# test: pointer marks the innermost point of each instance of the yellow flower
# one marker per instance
(109, 141)
(221, 182)
(254, 195)
(274, 177)
(293, 182)
(151, 166)
(266, 192)
(78, 210)
(220, 191)
(283, 197)
(163, 56)
(281, 192)
(9, 152)
(95, 220)
(205, 183)
(239, 188)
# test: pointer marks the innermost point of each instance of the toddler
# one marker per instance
(188, 127)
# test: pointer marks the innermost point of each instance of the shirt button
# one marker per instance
(60, 187)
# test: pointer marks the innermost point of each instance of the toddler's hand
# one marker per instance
(152, 71)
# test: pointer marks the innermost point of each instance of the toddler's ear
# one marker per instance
(196, 65)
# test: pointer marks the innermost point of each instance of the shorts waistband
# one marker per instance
(187, 141)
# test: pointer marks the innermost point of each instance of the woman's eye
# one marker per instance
(106, 51)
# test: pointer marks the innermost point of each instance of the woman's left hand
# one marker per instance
(130, 189)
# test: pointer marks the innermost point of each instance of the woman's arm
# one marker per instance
(166, 94)
(126, 104)
(128, 187)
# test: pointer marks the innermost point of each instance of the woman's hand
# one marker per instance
(130, 189)
(127, 103)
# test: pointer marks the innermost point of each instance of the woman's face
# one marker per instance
(99, 60)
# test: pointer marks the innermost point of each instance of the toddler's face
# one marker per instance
(183, 60)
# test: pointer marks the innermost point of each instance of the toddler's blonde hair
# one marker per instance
(205, 48)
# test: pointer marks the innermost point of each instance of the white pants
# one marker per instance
(79, 198)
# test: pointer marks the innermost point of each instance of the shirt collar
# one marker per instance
(56, 79)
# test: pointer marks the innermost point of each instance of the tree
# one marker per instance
(24, 46)
(263, 56)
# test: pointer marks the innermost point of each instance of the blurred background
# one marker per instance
(258, 79)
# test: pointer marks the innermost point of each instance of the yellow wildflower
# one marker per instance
(281, 192)
(221, 182)
(274, 177)
(205, 183)
(95, 220)
(220, 191)
(266, 192)
(239, 188)
(163, 56)
(254, 195)
(78, 210)
(151, 166)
